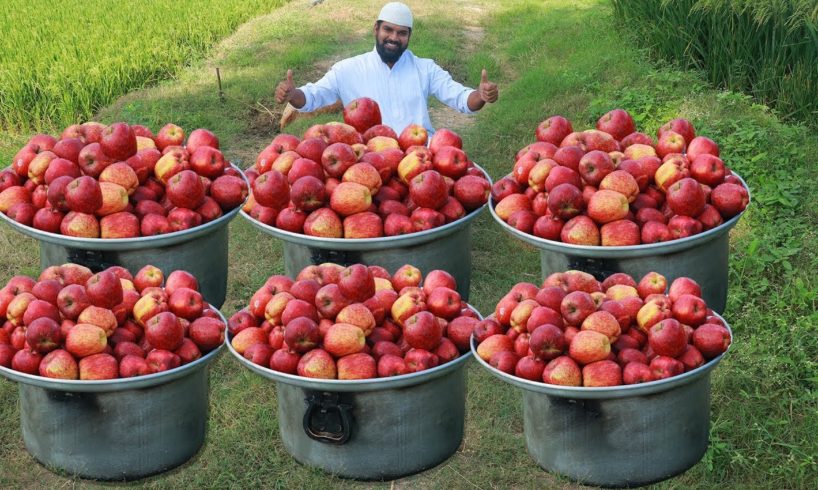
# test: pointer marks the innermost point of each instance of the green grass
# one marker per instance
(61, 61)
(768, 49)
(557, 57)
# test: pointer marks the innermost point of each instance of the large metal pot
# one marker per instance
(202, 251)
(375, 429)
(619, 436)
(121, 429)
(447, 247)
(702, 257)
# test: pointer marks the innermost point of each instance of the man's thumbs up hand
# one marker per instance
(488, 90)
(285, 89)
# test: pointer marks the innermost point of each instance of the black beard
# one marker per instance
(388, 56)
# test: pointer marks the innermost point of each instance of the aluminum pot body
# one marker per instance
(202, 251)
(204, 255)
(617, 436)
(450, 252)
(119, 429)
(119, 435)
(447, 247)
(393, 432)
(619, 442)
(702, 257)
(704, 261)
(371, 429)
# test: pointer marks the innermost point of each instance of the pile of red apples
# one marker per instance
(355, 322)
(577, 331)
(119, 181)
(614, 186)
(73, 324)
(359, 179)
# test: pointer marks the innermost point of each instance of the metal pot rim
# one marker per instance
(357, 385)
(127, 244)
(627, 251)
(367, 244)
(119, 384)
(608, 392)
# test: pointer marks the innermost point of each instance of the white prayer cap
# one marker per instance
(396, 13)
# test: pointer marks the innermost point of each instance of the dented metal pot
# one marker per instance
(447, 247)
(371, 429)
(619, 436)
(202, 251)
(702, 257)
(119, 429)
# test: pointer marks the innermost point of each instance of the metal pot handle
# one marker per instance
(340, 257)
(93, 259)
(599, 268)
(327, 419)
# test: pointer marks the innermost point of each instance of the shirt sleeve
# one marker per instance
(448, 91)
(321, 93)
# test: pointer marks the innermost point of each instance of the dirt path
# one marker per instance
(443, 116)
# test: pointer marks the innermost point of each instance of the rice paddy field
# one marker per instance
(766, 48)
(63, 60)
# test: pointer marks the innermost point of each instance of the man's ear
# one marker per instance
(375, 28)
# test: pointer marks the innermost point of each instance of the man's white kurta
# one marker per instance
(401, 92)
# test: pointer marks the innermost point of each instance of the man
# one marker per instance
(395, 78)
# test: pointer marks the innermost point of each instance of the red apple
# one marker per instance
(711, 340)
(164, 331)
(670, 142)
(422, 331)
(59, 364)
(553, 130)
(83, 195)
(199, 138)
(729, 199)
(229, 191)
(169, 135)
(159, 360)
(601, 373)
(493, 344)
(118, 141)
(594, 166)
(357, 283)
(43, 335)
(580, 230)
(663, 367)
(562, 371)
(588, 346)
(701, 145)
(85, 339)
(362, 114)
(680, 126)
(667, 338)
(618, 123)
(420, 360)
(413, 134)
(317, 363)
(68, 148)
